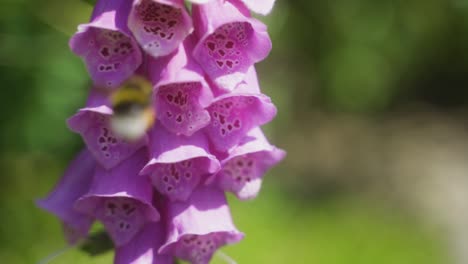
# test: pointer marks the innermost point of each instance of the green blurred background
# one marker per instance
(372, 99)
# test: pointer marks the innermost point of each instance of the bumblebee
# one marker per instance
(132, 106)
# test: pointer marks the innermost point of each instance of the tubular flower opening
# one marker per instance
(106, 45)
(172, 122)
(159, 25)
(181, 93)
(198, 227)
(230, 41)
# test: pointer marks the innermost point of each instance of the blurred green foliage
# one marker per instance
(360, 56)
(368, 56)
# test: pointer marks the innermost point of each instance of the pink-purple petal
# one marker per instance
(230, 41)
(198, 227)
(181, 92)
(159, 26)
(121, 199)
(250, 83)
(178, 163)
(200, 1)
(262, 7)
(233, 115)
(246, 165)
(105, 44)
(143, 248)
(75, 182)
(93, 124)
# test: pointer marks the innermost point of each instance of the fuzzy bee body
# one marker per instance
(133, 111)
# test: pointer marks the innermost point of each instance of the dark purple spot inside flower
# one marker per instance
(229, 45)
(105, 52)
(111, 207)
(171, 23)
(222, 119)
(176, 176)
(172, 169)
(211, 46)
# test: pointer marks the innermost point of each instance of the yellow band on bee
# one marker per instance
(137, 89)
(124, 95)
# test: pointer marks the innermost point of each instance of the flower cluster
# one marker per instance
(163, 195)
